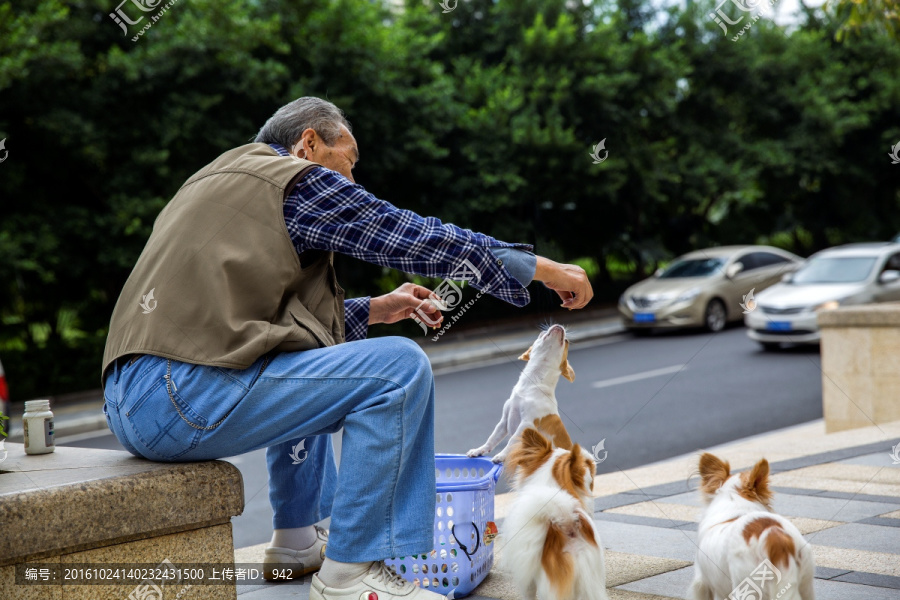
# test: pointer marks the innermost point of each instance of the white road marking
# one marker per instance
(637, 376)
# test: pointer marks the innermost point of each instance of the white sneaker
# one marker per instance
(286, 563)
(381, 583)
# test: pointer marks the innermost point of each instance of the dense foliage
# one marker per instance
(485, 116)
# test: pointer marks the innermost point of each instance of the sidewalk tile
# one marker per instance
(889, 522)
(622, 594)
(622, 568)
(828, 509)
(856, 560)
(293, 590)
(876, 486)
(876, 459)
(809, 526)
(795, 491)
(685, 498)
(639, 520)
(828, 573)
(831, 456)
(659, 510)
(648, 541)
(885, 581)
(839, 590)
(674, 584)
(615, 500)
(871, 538)
(892, 500)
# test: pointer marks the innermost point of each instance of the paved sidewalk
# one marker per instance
(841, 490)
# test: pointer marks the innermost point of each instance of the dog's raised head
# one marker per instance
(550, 351)
(572, 470)
(716, 481)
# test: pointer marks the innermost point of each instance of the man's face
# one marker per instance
(340, 157)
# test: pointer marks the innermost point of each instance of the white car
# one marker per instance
(841, 276)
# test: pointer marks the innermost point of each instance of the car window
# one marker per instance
(893, 263)
(749, 261)
(835, 269)
(694, 267)
(768, 259)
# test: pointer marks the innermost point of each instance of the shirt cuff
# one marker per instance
(521, 264)
(356, 318)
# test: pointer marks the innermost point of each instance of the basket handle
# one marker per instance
(462, 546)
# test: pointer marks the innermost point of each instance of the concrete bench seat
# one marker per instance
(78, 506)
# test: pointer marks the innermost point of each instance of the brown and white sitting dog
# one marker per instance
(555, 552)
(533, 399)
(744, 547)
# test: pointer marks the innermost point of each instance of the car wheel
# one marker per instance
(715, 317)
(770, 346)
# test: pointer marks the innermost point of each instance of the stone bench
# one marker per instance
(85, 506)
(860, 365)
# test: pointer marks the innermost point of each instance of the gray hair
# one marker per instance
(290, 121)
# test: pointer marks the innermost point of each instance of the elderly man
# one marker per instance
(233, 334)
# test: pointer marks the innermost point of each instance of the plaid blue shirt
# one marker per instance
(325, 211)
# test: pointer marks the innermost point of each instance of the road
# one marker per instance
(649, 399)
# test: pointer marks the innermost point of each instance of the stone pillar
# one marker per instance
(860, 365)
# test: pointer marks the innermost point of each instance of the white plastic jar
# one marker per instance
(37, 423)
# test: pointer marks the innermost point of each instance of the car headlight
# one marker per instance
(688, 295)
(830, 305)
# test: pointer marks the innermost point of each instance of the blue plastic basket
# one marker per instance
(464, 528)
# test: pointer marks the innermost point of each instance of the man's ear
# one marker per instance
(565, 368)
(527, 354)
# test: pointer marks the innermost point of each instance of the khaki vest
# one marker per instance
(219, 281)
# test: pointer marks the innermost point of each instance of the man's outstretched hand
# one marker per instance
(569, 281)
(402, 304)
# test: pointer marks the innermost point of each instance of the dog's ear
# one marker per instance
(532, 438)
(527, 354)
(529, 453)
(565, 368)
(755, 483)
(577, 466)
(713, 473)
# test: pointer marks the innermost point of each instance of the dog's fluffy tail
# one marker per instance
(791, 570)
(558, 565)
(554, 547)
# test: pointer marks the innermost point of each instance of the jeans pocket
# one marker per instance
(131, 376)
(164, 424)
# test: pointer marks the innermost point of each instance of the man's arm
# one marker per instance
(325, 211)
(356, 318)
(358, 314)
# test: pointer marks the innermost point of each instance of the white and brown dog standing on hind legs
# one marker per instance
(552, 550)
(743, 547)
(533, 399)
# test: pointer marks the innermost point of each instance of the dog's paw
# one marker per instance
(476, 452)
(499, 458)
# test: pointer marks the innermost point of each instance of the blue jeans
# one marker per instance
(381, 391)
